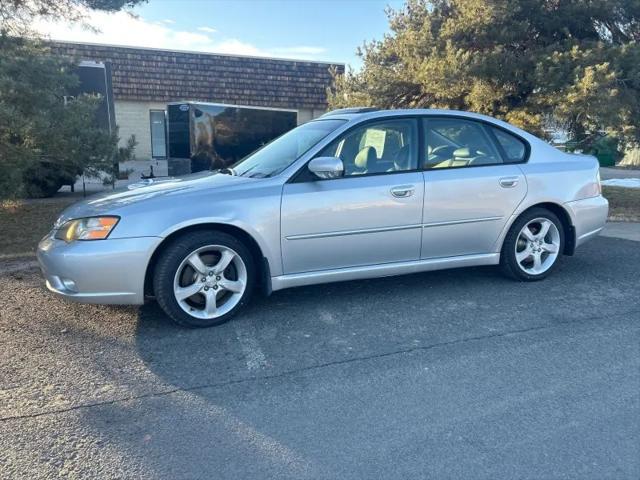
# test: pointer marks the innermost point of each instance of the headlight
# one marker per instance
(93, 228)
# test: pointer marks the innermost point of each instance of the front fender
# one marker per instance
(266, 244)
(254, 209)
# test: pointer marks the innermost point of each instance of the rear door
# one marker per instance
(472, 185)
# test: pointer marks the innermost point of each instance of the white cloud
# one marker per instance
(122, 28)
(301, 50)
(234, 46)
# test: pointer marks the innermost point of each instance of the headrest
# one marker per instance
(364, 156)
(464, 152)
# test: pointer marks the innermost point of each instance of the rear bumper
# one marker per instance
(106, 271)
(589, 217)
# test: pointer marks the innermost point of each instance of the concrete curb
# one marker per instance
(17, 256)
(8, 266)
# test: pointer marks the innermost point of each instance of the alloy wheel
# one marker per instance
(210, 281)
(537, 246)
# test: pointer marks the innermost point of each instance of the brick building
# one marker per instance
(144, 80)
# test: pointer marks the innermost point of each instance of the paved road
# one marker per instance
(458, 374)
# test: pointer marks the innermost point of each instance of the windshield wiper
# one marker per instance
(244, 174)
(228, 171)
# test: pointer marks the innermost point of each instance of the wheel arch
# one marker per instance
(562, 214)
(261, 263)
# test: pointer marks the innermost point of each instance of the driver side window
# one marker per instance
(382, 147)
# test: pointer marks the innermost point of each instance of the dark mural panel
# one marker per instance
(95, 79)
(178, 131)
(215, 136)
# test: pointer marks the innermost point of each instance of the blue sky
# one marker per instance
(307, 29)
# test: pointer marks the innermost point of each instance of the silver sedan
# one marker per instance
(357, 193)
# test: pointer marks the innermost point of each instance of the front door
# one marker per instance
(472, 186)
(371, 215)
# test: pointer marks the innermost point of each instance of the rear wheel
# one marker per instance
(533, 245)
(202, 279)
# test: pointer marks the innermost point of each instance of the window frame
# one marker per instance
(418, 149)
(487, 127)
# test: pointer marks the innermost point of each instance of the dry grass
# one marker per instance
(24, 222)
(624, 203)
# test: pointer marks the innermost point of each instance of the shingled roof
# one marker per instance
(165, 76)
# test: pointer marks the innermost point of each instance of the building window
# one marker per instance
(158, 134)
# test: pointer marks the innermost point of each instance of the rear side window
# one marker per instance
(455, 143)
(514, 148)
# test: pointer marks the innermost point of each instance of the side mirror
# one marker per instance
(326, 167)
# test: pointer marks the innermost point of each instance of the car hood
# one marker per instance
(145, 190)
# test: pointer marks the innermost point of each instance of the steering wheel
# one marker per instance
(437, 150)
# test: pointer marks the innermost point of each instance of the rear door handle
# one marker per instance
(508, 182)
(403, 191)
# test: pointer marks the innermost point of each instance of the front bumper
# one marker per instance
(108, 271)
(588, 216)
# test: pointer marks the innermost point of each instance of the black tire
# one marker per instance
(508, 262)
(173, 256)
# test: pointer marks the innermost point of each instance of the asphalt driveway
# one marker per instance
(456, 374)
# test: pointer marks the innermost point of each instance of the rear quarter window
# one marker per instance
(514, 148)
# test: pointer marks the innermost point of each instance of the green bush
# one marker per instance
(46, 137)
(606, 150)
(43, 179)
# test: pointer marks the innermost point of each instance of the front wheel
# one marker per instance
(202, 279)
(532, 246)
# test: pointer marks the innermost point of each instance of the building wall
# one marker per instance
(144, 79)
(132, 118)
(307, 114)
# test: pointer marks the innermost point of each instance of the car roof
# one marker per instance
(362, 113)
(359, 114)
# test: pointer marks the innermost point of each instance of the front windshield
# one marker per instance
(274, 157)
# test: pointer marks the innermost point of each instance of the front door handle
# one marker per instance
(403, 191)
(508, 182)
